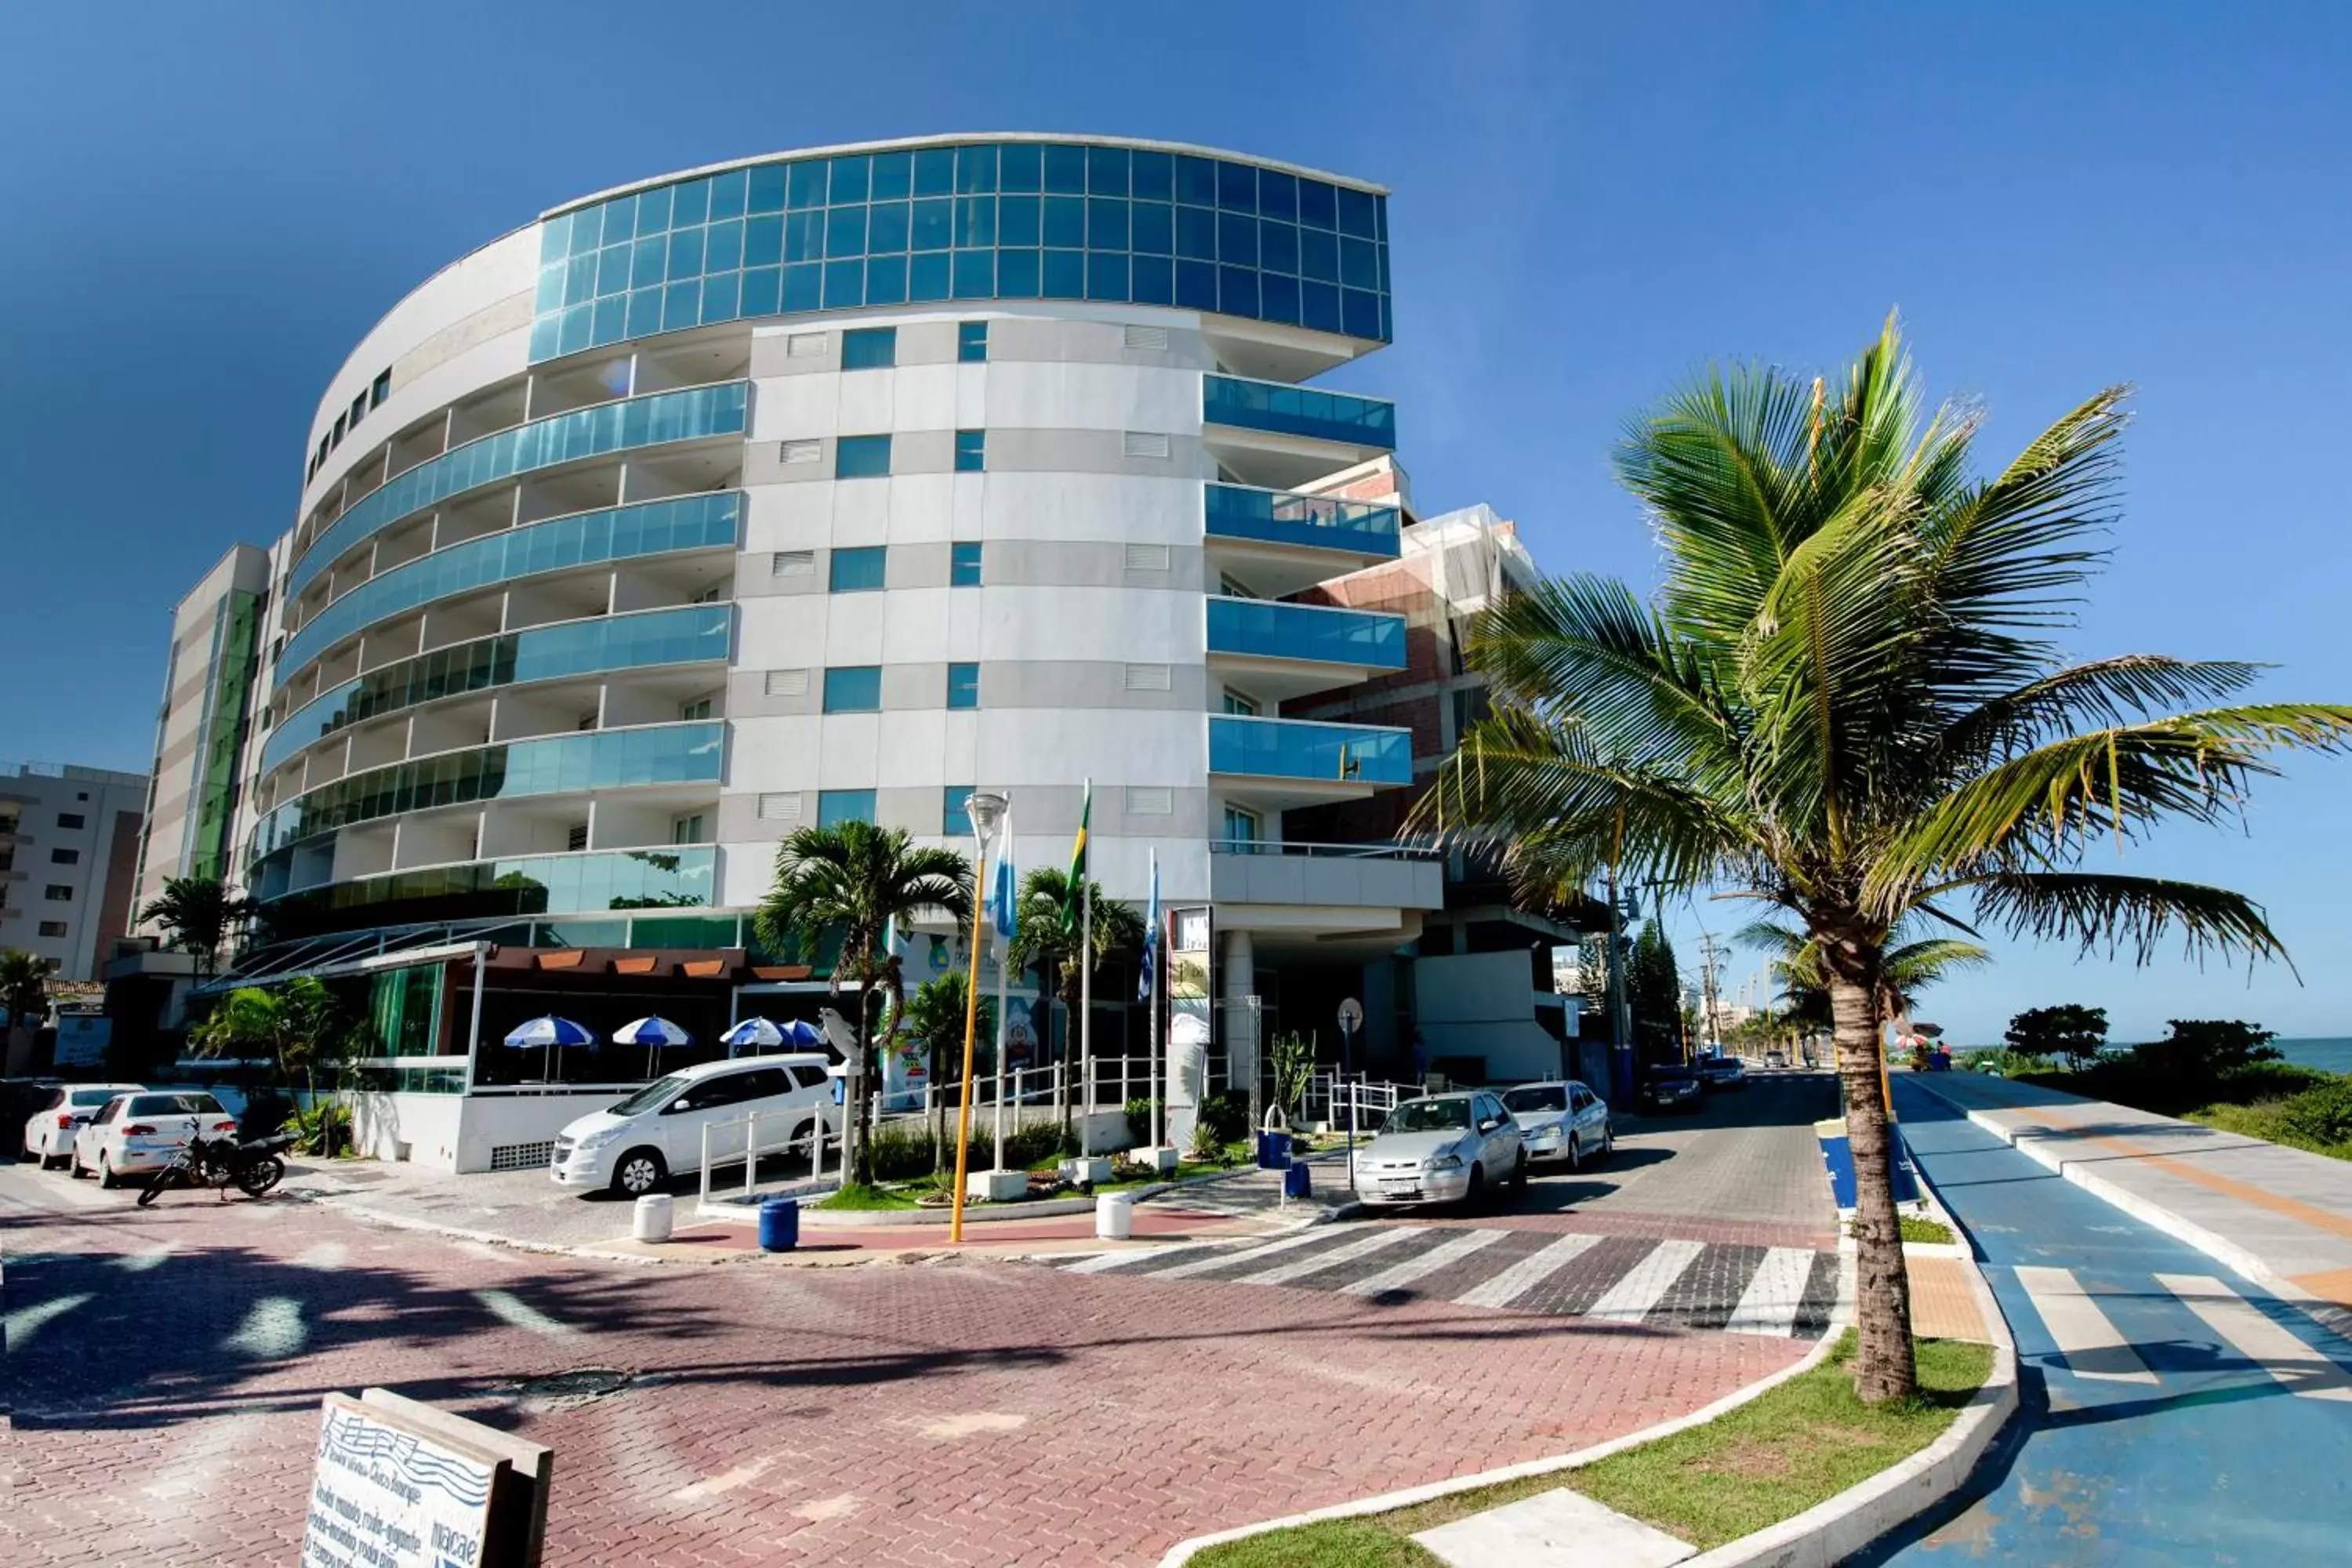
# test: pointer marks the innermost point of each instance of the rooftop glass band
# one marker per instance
(512, 658)
(692, 415)
(586, 539)
(1287, 410)
(984, 220)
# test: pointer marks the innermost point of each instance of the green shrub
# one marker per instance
(2005, 1063)
(904, 1154)
(1139, 1122)
(323, 1129)
(2321, 1115)
(1226, 1116)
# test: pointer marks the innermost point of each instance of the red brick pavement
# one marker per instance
(903, 1413)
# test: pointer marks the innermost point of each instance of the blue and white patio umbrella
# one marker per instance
(653, 1034)
(762, 1035)
(548, 1033)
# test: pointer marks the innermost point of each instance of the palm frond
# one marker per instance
(2106, 692)
(2126, 914)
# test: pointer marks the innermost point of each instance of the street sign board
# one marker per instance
(397, 1483)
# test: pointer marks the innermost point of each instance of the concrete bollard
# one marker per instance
(652, 1219)
(1115, 1216)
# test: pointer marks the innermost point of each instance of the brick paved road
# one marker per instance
(165, 1367)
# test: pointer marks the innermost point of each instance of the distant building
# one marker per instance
(69, 860)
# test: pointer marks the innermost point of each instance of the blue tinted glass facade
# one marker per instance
(1298, 411)
(634, 422)
(859, 571)
(869, 347)
(649, 528)
(964, 686)
(1284, 748)
(970, 451)
(853, 689)
(861, 458)
(1321, 522)
(527, 884)
(1268, 629)
(836, 807)
(963, 565)
(544, 653)
(975, 221)
(955, 813)
(608, 759)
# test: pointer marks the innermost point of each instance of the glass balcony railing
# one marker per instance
(609, 427)
(544, 653)
(1298, 411)
(524, 885)
(1269, 629)
(649, 528)
(1318, 522)
(1295, 749)
(602, 759)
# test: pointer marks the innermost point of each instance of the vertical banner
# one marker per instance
(1188, 1028)
(924, 956)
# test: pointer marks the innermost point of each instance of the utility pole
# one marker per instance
(1710, 951)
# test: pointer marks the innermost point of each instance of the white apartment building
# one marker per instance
(69, 857)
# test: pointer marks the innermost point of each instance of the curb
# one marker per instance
(2042, 1150)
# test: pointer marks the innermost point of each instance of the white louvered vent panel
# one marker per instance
(783, 807)
(805, 345)
(1147, 677)
(800, 451)
(792, 563)
(1147, 558)
(788, 682)
(1146, 337)
(1151, 803)
(1145, 443)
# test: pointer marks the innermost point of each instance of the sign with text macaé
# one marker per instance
(402, 1485)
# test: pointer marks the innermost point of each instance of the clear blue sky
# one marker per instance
(207, 204)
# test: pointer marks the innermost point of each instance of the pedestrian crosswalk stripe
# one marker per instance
(1768, 1305)
(1219, 1259)
(1396, 1277)
(1630, 1299)
(2083, 1333)
(2302, 1368)
(1526, 1273)
(1299, 1268)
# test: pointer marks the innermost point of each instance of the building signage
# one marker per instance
(397, 1484)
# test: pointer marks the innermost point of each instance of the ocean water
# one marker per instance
(2327, 1055)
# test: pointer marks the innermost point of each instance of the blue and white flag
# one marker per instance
(1150, 935)
(1000, 911)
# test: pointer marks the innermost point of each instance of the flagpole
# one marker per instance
(1003, 952)
(1085, 981)
(1159, 1100)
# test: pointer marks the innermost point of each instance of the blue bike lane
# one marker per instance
(2170, 1411)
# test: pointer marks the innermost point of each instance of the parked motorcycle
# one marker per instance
(221, 1162)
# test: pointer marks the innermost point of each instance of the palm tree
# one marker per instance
(855, 879)
(1907, 968)
(1039, 942)
(935, 1015)
(23, 990)
(1845, 702)
(197, 914)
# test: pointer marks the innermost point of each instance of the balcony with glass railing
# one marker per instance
(1280, 650)
(1278, 408)
(1357, 533)
(1278, 763)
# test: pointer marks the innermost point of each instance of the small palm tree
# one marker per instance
(1908, 968)
(198, 915)
(24, 987)
(1041, 943)
(1845, 702)
(854, 879)
(298, 1027)
(936, 1016)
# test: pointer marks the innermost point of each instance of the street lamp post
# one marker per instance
(986, 811)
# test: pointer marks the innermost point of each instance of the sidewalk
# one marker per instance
(2280, 1216)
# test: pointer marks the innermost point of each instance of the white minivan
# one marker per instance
(633, 1147)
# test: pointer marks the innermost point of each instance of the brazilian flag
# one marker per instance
(1070, 896)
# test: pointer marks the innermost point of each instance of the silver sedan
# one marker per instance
(1562, 1120)
(1442, 1148)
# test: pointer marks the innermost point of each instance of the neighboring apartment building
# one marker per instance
(69, 861)
(796, 490)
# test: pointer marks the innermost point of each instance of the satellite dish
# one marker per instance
(839, 1033)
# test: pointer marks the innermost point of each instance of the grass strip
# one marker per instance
(1793, 1446)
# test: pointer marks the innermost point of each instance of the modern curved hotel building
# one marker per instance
(827, 484)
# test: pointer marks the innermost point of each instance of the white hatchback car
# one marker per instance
(633, 1147)
(1442, 1148)
(50, 1135)
(134, 1133)
(1562, 1119)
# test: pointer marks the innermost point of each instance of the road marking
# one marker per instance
(1646, 1283)
(146, 1257)
(326, 1257)
(2091, 1344)
(1103, 1262)
(1526, 1273)
(17, 1328)
(1461, 1244)
(1769, 1304)
(511, 1309)
(1219, 1259)
(2301, 1367)
(1299, 1268)
(272, 1330)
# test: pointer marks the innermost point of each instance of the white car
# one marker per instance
(633, 1147)
(1562, 1119)
(135, 1133)
(50, 1135)
(1442, 1148)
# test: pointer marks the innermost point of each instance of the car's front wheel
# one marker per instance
(637, 1172)
(1575, 1152)
(1519, 1172)
(106, 1176)
(1608, 1139)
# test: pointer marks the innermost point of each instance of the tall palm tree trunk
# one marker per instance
(1071, 1023)
(1883, 1366)
(858, 1123)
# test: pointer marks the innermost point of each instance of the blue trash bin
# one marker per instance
(1273, 1150)
(1294, 1181)
(779, 1225)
